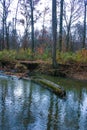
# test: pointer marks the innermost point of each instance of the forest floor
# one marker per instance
(27, 68)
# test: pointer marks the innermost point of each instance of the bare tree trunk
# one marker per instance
(5, 26)
(68, 34)
(67, 38)
(61, 24)
(84, 34)
(3, 36)
(16, 15)
(3, 44)
(6, 31)
(54, 32)
(7, 37)
(43, 28)
(32, 25)
(43, 25)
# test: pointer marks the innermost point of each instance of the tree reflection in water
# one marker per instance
(25, 105)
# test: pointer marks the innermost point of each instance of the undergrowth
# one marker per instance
(79, 56)
(44, 55)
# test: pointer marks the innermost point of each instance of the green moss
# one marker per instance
(50, 85)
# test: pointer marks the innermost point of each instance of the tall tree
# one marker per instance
(16, 13)
(72, 12)
(79, 31)
(29, 12)
(32, 7)
(61, 24)
(26, 20)
(5, 6)
(32, 23)
(84, 33)
(45, 11)
(3, 19)
(54, 32)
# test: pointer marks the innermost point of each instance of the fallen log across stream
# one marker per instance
(55, 88)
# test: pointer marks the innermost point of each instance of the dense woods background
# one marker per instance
(42, 26)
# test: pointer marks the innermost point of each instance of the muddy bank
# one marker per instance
(29, 68)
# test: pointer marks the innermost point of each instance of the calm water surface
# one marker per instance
(25, 105)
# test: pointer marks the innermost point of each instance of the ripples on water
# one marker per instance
(25, 105)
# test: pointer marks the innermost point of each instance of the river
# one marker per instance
(25, 105)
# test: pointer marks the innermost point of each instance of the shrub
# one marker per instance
(7, 55)
(79, 56)
(24, 54)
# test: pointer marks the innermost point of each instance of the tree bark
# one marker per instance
(61, 24)
(54, 32)
(32, 25)
(68, 34)
(3, 44)
(84, 34)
